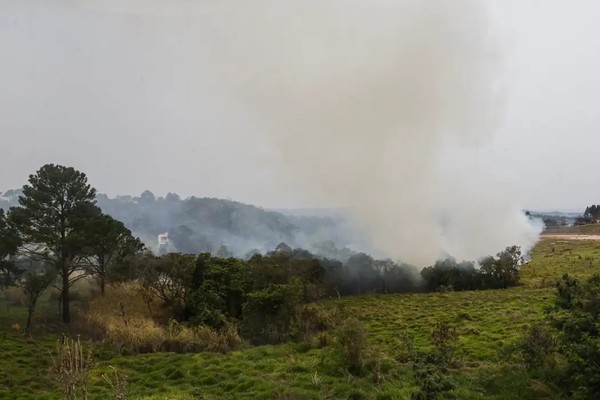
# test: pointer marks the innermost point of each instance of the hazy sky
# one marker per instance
(125, 91)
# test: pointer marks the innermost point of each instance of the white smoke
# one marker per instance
(385, 107)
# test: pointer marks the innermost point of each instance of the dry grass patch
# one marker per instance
(131, 320)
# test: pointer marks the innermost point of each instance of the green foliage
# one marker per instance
(592, 212)
(352, 343)
(449, 275)
(9, 243)
(218, 292)
(502, 271)
(50, 219)
(576, 316)
(268, 313)
(432, 369)
(498, 272)
(538, 347)
(109, 245)
(34, 284)
(168, 277)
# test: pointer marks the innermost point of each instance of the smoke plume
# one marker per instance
(386, 108)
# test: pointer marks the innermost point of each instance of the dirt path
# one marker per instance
(571, 237)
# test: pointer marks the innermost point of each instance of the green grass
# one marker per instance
(487, 321)
(553, 257)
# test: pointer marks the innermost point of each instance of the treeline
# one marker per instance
(590, 215)
(498, 272)
(264, 294)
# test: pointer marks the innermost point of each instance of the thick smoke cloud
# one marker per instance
(383, 107)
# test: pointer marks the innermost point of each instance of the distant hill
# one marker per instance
(226, 227)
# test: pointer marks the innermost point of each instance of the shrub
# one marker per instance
(268, 313)
(126, 300)
(130, 323)
(352, 342)
(312, 321)
(431, 370)
(538, 346)
(143, 335)
(576, 315)
(71, 368)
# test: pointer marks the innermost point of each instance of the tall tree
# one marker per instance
(9, 243)
(49, 222)
(109, 243)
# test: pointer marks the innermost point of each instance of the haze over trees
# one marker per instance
(205, 225)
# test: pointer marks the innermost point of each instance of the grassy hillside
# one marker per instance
(487, 322)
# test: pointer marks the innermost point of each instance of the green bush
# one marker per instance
(576, 315)
(352, 342)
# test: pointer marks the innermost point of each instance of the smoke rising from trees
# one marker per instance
(383, 107)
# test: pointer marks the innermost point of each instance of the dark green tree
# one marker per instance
(110, 244)
(50, 220)
(9, 243)
(592, 213)
(219, 288)
(501, 271)
(576, 315)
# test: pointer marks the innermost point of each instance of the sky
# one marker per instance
(131, 93)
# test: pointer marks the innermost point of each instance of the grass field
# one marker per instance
(487, 322)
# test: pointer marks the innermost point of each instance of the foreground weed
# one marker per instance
(118, 382)
(71, 367)
(432, 370)
(352, 339)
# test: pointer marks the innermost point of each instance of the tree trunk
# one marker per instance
(29, 314)
(66, 312)
(102, 285)
(60, 304)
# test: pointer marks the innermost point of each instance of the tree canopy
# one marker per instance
(58, 224)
